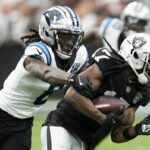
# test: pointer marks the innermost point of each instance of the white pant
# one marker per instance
(59, 138)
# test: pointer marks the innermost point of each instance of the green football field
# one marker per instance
(140, 143)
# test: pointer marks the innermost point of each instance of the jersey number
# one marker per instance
(44, 97)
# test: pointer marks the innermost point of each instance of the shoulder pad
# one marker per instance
(40, 49)
(110, 23)
(102, 53)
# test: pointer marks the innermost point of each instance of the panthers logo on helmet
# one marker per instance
(61, 27)
(52, 16)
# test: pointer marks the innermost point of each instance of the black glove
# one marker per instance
(112, 119)
(116, 116)
(143, 128)
(81, 84)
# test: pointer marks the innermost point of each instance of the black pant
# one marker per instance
(15, 134)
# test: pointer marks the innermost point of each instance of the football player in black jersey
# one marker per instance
(77, 124)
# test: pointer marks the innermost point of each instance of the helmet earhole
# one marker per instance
(46, 33)
(135, 55)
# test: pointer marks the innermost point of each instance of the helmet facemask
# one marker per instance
(134, 24)
(66, 42)
(136, 52)
(140, 64)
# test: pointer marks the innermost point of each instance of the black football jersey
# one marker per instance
(115, 83)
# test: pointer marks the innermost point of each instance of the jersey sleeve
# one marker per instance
(102, 57)
(110, 25)
(105, 26)
(39, 51)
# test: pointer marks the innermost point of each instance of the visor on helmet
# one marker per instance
(68, 38)
(67, 41)
(135, 24)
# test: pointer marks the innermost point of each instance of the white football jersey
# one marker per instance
(111, 28)
(23, 94)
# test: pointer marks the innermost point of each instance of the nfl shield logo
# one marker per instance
(75, 68)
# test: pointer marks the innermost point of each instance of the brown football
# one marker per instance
(108, 104)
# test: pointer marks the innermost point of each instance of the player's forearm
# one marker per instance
(55, 76)
(85, 106)
(123, 134)
(46, 73)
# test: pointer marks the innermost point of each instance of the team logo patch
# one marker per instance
(138, 97)
(128, 89)
(138, 42)
(75, 68)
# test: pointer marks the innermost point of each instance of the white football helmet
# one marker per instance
(135, 16)
(135, 50)
(60, 27)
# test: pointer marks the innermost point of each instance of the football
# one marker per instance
(108, 104)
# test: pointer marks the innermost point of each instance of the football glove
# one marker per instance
(116, 116)
(106, 128)
(143, 128)
(81, 84)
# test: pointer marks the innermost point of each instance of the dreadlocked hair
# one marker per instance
(32, 37)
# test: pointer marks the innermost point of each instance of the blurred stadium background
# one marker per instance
(18, 16)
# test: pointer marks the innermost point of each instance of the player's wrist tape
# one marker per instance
(71, 78)
(126, 134)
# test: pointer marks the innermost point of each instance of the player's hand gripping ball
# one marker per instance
(108, 104)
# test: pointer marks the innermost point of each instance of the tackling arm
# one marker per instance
(46, 73)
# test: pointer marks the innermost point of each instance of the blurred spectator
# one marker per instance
(18, 17)
(112, 8)
(70, 3)
(5, 10)
(25, 16)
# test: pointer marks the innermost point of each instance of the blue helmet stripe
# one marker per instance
(71, 15)
(106, 26)
(44, 49)
(75, 16)
(59, 8)
(67, 13)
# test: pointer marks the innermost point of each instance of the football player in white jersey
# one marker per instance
(134, 18)
(56, 47)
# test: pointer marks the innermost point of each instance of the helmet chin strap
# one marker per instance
(59, 52)
(142, 78)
